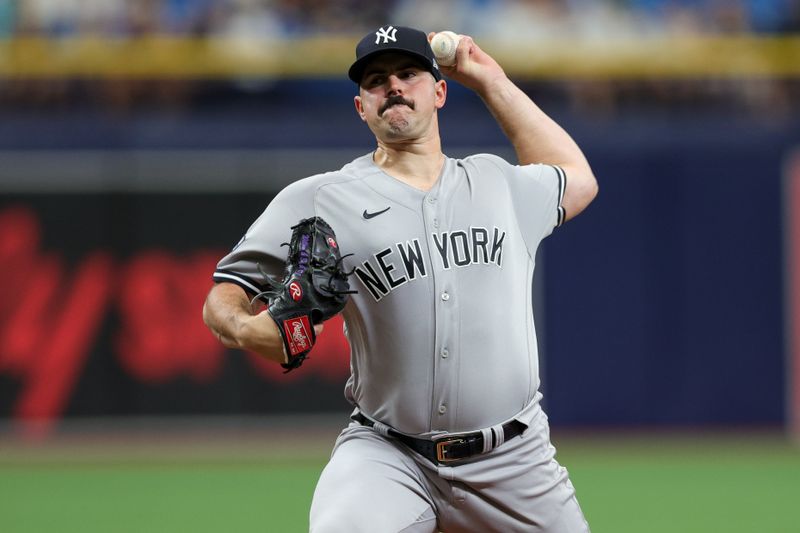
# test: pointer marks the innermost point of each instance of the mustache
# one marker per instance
(395, 100)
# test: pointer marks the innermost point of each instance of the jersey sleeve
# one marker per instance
(536, 192)
(259, 252)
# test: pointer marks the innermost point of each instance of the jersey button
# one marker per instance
(442, 409)
(445, 296)
(445, 353)
(432, 200)
(435, 222)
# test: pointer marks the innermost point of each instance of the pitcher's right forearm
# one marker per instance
(228, 315)
(224, 310)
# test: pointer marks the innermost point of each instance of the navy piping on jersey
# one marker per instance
(243, 282)
(562, 187)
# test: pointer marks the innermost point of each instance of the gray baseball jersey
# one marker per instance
(441, 330)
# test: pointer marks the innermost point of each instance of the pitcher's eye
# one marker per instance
(373, 80)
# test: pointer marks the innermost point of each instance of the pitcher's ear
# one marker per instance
(359, 108)
(441, 93)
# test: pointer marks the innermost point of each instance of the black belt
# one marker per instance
(451, 447)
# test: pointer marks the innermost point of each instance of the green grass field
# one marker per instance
(631, 483)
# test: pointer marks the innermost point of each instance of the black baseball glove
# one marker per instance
(314, 288)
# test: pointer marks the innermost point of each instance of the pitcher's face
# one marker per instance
(398, 98)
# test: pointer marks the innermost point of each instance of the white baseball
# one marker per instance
(444, 46)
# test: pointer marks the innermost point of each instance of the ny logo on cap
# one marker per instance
(387, 35)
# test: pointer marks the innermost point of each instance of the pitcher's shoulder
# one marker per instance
(485, 161)
(486, 167)
(353, 171)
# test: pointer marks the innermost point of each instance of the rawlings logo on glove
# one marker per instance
(314, 288)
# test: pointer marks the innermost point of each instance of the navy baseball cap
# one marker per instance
(394, 39)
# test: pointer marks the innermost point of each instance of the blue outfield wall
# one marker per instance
(664, 299)
(662, 302)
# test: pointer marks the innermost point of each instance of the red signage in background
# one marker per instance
(51, 315)
(162, 335)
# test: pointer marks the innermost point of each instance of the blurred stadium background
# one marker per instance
(139, 138)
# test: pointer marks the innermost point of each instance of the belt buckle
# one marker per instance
(441, 451)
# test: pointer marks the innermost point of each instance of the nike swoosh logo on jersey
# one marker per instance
(368, 216)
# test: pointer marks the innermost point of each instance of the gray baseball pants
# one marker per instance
(375, 484)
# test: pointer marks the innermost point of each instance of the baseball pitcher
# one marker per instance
(431, 259)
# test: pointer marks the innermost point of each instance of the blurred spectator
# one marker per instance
(303, 17)
(463, 16)
(773, 16)
(8, 18)
(510, 21)
(720, 16)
